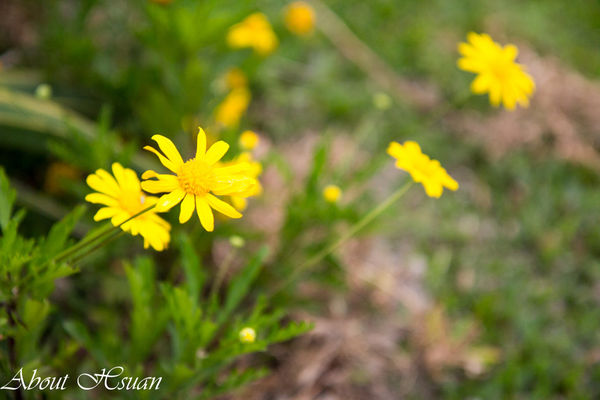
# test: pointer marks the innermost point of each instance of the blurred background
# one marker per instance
(489, 292)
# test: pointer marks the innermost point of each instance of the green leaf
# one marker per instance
(195, 275)
(241, 284)
(7, 199)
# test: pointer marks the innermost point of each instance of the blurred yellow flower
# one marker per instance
(249, 140)
(123, 199)
(421, 168)
(247, 335)
(235, 78)
(497, 72)
(300, 18)
(332, 193)
(233, 107)
(255, 31)
(197, 181)
(253, 171)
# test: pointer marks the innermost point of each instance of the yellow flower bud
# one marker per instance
(247, 335)
(249, 140)
(332, 193)
(300, 18)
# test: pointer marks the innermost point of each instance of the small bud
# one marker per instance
(247, 335)
(249, 140)
(237, 241)
(332, 193)
(43, 91)
(382, 101)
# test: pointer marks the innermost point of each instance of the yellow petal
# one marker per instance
(216, 152)
(201, 144)
(166, 183)
(169, 149)
(205, 214)
(170, 200)
(102, 186)
(99, 198)
(149, 174)
(106, 212)
(187, 208)
(164, 160)
(222, 207)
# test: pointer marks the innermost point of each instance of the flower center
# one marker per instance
(132, 201)
(196, 177)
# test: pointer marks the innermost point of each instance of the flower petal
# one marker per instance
(169, 149)
(201, 144)
(188, 205)
(106, 212)
(205, 214)
(216, 152)
(99, 198)
(165, 183)
(168, 201)
(164, 160)
(222, 207)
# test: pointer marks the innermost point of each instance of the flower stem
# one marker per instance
(222, 272)
(101, 234)
(369, 217)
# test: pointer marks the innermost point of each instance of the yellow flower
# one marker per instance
(300, 18)
(235, 78)
(421, 168)
(197, 181)
(249, 140)
(247, 335)
(497, 72)
(332, 193)
(231, 109)
(123, 199)
(254, 169)
(255, 31)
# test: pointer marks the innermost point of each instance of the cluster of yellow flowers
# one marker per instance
(195, 183)
(198, 183)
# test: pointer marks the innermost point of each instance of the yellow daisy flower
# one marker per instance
(255, 31)
(254, 170)
(497, 72)
(248, 140)
(123, 198)
(332, 193)
(300, 18)
(197, 181)
(233, 107)
(421, 168)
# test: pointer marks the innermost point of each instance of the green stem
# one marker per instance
(369, 217)
(107, 230)
(222, 272)
(104, 242)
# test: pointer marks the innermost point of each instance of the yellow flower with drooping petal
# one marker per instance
(421, 168)
(255, 31)
(233, 107)
(332, 193)
(123, 198)
(497, 72)
(197, 182)
(248, 140)
(300, 18)
(254, 170)
(235, 78)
